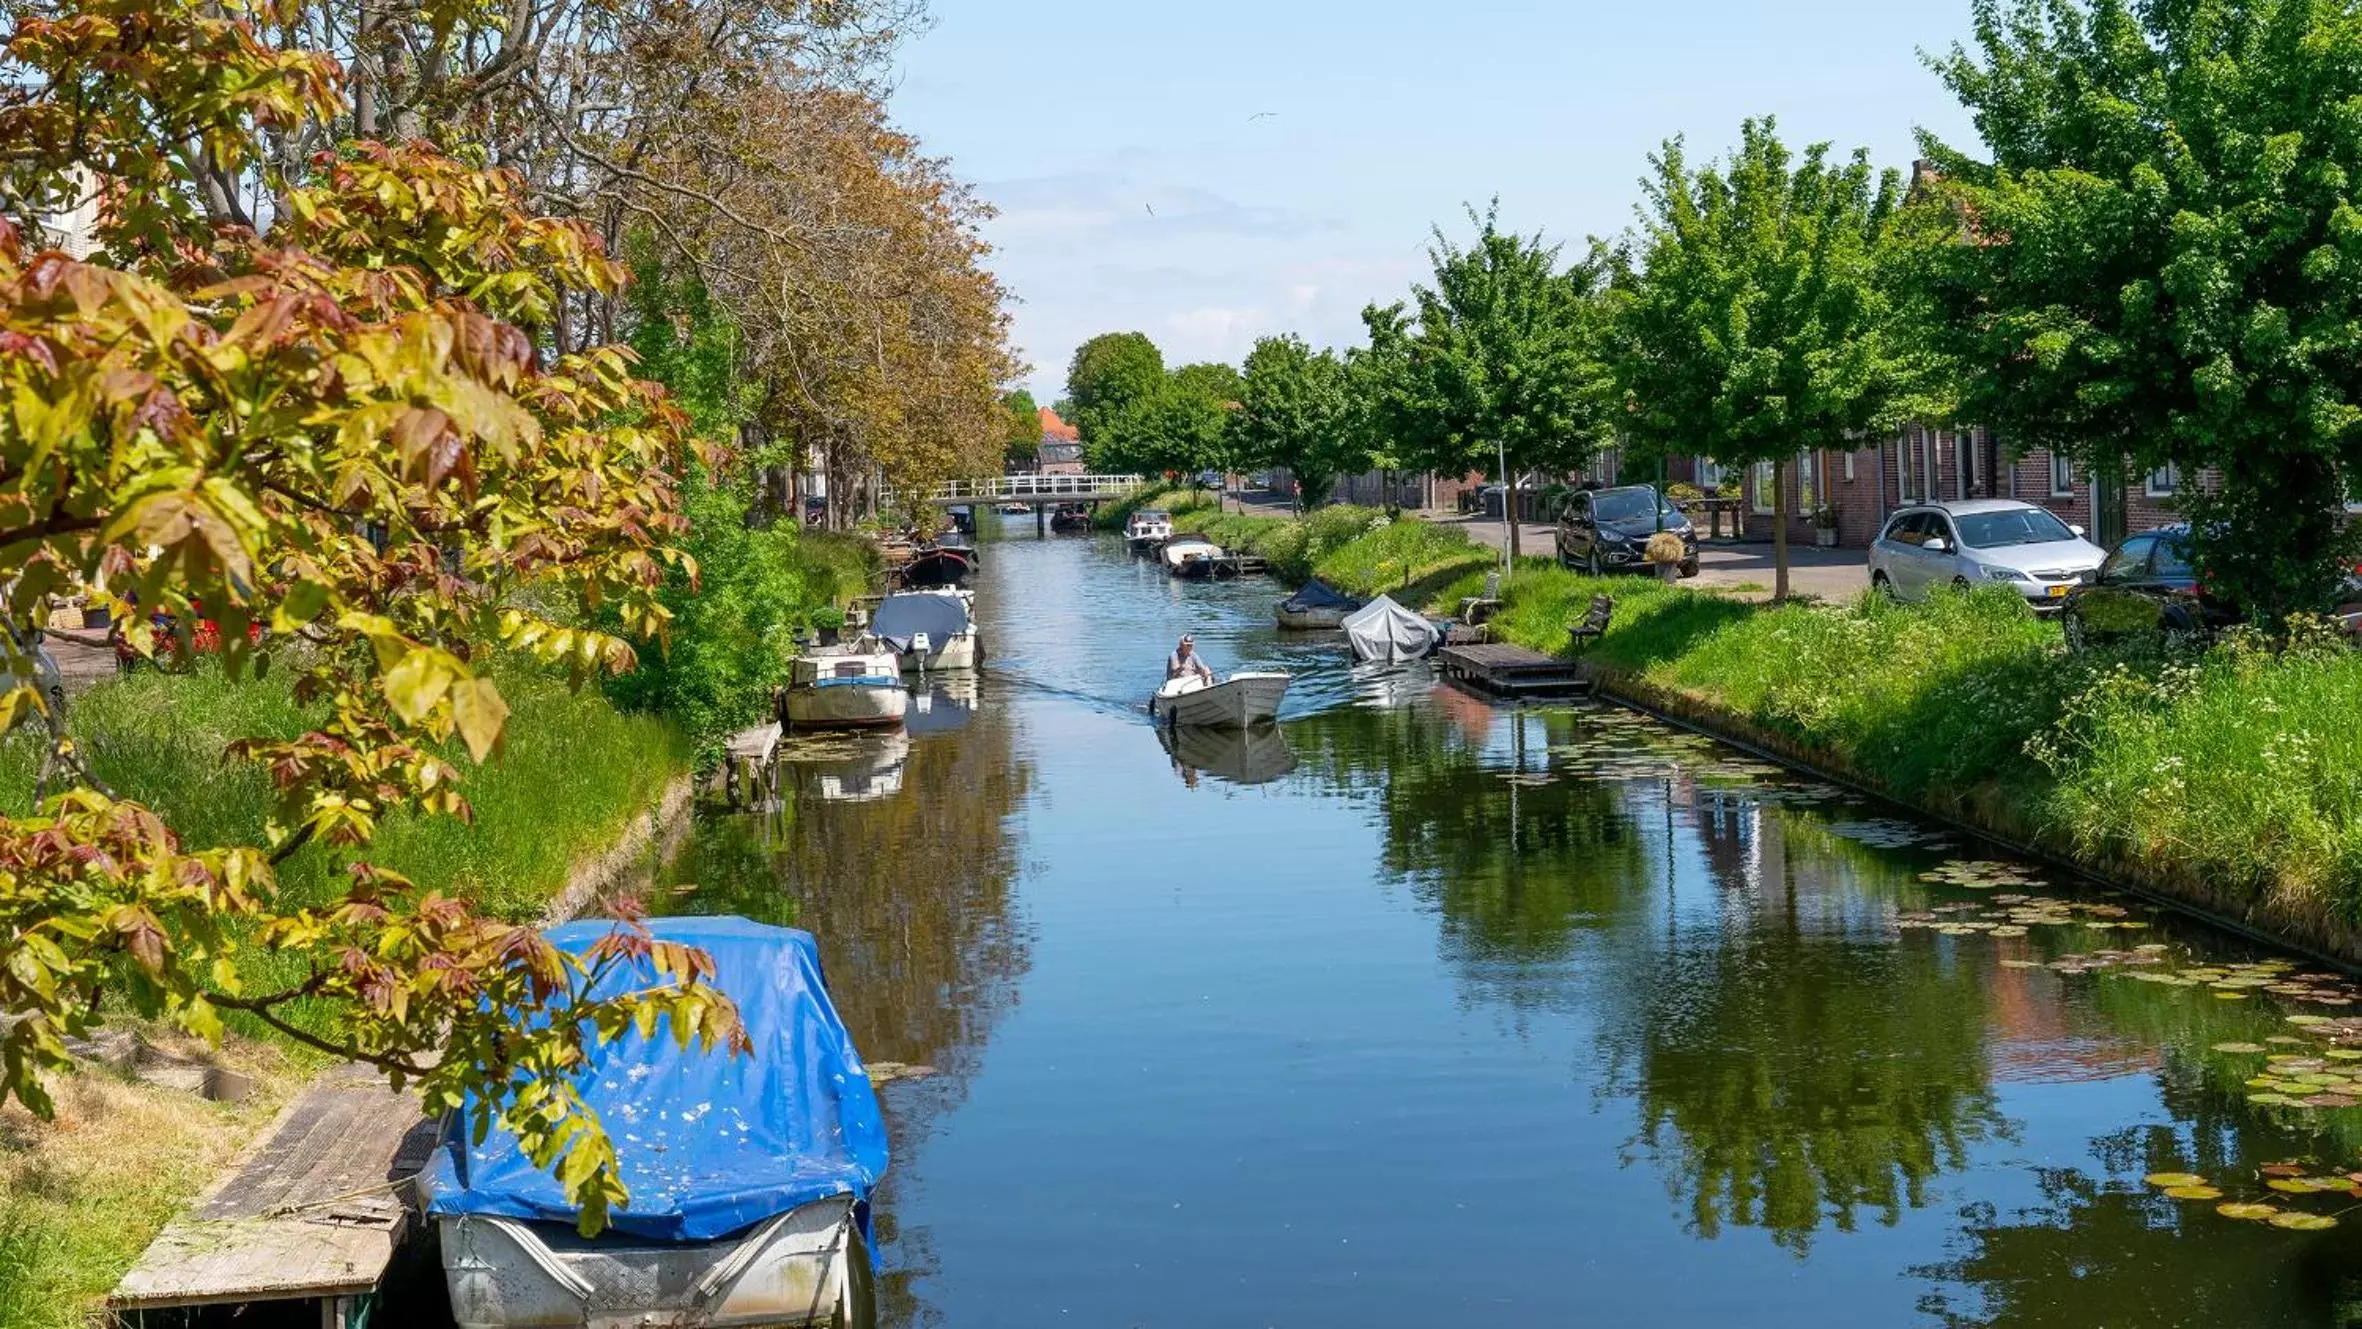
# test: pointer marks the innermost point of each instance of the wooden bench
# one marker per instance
(1594, 624)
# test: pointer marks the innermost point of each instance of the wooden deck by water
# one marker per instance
(313, 1214)
(1512, 671)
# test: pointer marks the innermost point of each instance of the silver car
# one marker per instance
(1976, 541)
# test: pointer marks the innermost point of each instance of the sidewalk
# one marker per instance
(1744, 570)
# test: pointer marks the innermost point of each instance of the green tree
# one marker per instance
(1109, 387)
(1025, 427)
(1294, 411)
(2165, 260)
(1758, 325)
(1500, 360)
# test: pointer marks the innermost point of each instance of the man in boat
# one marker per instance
(1185, 662)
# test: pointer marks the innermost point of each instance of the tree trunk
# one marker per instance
(1779, 530)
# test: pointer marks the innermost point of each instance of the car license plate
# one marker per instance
(2058, 592)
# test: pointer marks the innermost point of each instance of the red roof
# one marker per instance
(1053, 427)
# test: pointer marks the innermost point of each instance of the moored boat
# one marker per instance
(1070, 518)
(939, 565)
(845, 687)
(928, 630)
(1384, 631)
(1191, 557)
(749, 1174)
(1243, 699)
(1146, 529)
(1317, 606)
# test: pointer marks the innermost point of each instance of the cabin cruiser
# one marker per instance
(1071, 518)
(1191, 557)
(1146, 529)
(834, 687)
(749, 1174)
(939, 565)
(1245, 698)
(928, 630)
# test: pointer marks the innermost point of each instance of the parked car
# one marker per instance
(1604, 530)
(1974, 542)
(2146, 586)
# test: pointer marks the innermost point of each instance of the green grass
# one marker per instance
(2232, 777)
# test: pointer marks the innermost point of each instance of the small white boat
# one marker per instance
(1243, 699)
(848, 687)
(928, 630)
(1146, 529)
(1192, 557)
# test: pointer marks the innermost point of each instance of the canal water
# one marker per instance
(1427, 1011)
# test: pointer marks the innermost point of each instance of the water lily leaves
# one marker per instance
(2302, 1222)
(2331, 1100)
(2247, 1211)
(2238, 1047)
(2287, 1169)
(2171, 1179)
(2192, 1193)
(2270, 1100)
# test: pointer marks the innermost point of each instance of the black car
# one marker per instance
(2145, 587)
(1603, 530)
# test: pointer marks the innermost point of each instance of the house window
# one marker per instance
(1903, 439)
(1807, 484)
(2164, 481)
(2062, 476)
(1763, 486)
(1849, 468)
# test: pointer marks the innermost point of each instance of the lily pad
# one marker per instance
(2302, 1222)
(2170, 1179)
(2250, 1212)
(2238, 1047)
(2193, 1193)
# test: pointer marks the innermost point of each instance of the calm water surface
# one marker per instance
(1425, 1011)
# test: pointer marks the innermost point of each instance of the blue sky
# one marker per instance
(1216, 171)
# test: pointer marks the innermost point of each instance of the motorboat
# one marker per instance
(1070, 518)
(1385, 632)
(749, 1175)
(928, 630)
(1318, 606)
(1146, 529)
(939, 565)
(1243, 699)
(1257, 754)
(845, 687)
(1191, 557)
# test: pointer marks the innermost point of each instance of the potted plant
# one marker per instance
(1664, 552)
(1825, 526)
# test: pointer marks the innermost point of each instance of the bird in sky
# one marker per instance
(1151, 208)
(1262, 115)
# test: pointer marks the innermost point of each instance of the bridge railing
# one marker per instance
(1017, 488)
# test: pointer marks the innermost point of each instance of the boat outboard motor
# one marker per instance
(919, 646)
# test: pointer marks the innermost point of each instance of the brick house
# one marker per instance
(1061, 449)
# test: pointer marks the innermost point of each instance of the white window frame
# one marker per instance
(1765, 478)
(2164, 482)
(2062, 476)
(1849, 468)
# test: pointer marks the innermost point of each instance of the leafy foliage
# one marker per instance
(1294, 411)
(2161, 261)
(344, 435)
(1758, 324)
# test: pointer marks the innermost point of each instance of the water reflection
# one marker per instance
(1234, 756)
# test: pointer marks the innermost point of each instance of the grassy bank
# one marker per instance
(1355, 549)
(82, 1196)
(2231, 778)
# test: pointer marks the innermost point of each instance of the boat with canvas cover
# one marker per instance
(1318, 606)
(928, 630)
(1245, 698)
(749, 1175)
(845, 687)
(1385, 632)
(1190, 557)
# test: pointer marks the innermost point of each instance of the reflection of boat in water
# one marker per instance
(874, 771)
(1245, 698)
(1254, 755)
(945, 704)
(749, 1174)
(1315, 607)
(928, 630)
(845, 687)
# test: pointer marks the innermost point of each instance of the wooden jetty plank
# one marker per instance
(1510, 670)
(315, 1210)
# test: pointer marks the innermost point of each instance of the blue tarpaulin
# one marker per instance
(709, 1143)
(901, 617)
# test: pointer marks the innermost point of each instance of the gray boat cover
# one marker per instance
(1318, 595)
(1385, 631)
(901, 617)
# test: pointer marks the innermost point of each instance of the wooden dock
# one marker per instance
(1512, 671)
(312, 1215)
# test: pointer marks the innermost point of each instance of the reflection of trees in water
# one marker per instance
(1515, 870)
(910, 897)
(2093, 1253)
